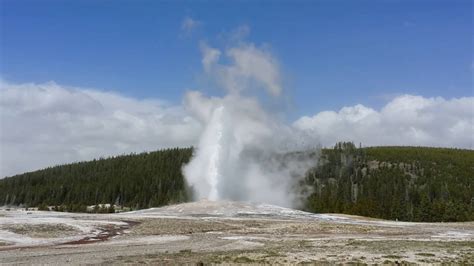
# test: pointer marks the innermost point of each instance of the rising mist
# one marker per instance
(245, 152)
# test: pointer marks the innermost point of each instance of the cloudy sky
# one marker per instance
(87, 79)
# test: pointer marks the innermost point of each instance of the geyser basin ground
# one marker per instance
(226, 232)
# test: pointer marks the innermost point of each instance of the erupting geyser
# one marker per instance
(211, 145)
(244, 152)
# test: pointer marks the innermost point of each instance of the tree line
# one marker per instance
(398, 183)
(135, 180)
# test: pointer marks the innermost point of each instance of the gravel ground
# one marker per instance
(227, 232)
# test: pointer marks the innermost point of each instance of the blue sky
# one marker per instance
(385, 72)
(333, 53)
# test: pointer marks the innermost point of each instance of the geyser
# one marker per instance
(211, 143)
(244, 152)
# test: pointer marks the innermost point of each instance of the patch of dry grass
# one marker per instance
(41, 230)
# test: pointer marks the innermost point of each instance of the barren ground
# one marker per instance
(226, 232)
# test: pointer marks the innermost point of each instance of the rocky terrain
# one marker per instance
(226, 232)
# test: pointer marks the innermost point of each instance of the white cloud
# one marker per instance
(189, 25)
(406, 120)
(210, 56)
(47, 124)
(249, 67)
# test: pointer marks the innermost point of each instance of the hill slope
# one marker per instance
(404, 183)
(137, 180)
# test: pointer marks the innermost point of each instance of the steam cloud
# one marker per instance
(244, 153)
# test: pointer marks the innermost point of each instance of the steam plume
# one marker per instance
(244, 152)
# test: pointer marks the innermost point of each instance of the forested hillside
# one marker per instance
(137, 180)
(404, 183)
